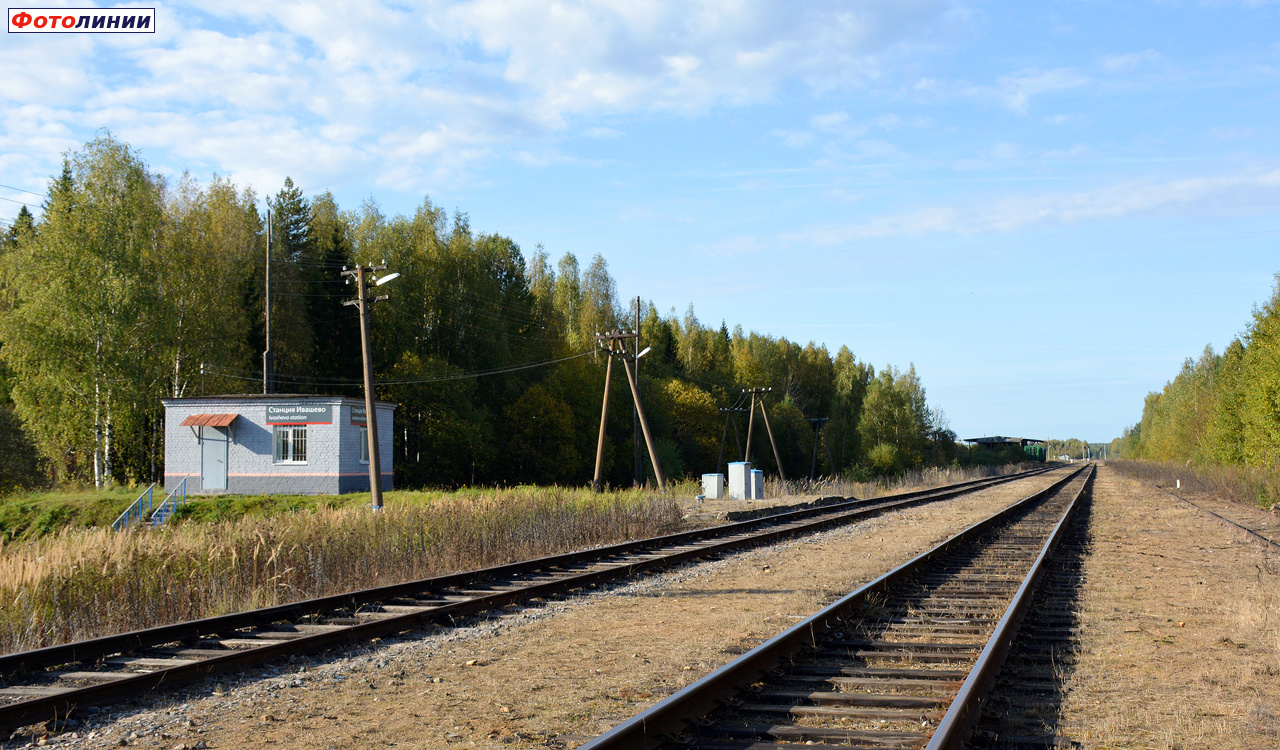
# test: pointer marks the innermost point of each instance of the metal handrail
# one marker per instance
(172, 502)
(137, 511)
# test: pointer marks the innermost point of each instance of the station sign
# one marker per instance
(296, 413)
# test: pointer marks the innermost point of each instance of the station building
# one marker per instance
(285, 444)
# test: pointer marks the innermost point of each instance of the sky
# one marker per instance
(1044, 207)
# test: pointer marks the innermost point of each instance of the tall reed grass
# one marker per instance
(1242, 484)
(84, 583)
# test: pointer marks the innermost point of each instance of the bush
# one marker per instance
(884, 459)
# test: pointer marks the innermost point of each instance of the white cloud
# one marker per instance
(839, 124)
(792, 138)
(1016, 89)
(326, 91)
(607, 55)
(1244, 192)
(1128, 62)
(1004, 151)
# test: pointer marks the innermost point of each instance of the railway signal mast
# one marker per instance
(819, 425)
(363, 275)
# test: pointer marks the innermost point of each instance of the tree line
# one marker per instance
(131, 287)
(1219, 408)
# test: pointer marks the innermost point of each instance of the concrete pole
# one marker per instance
(371, 414)
(751, 425)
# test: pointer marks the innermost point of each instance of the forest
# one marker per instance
(131, 287)
(1220, 409)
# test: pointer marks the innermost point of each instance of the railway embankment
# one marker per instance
(558, 673)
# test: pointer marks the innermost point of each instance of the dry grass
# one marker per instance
(1181, 644)
(83, 583)
(1241, 484)
(553, 676)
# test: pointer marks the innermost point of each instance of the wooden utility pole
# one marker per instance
(268, 357)
(644, 425)
(729, 413)
(637, 462)
(777, 459)
(751, 424)
(614, 346)
(596, 483)
(363, 301)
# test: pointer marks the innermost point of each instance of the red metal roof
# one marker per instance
(209, 420)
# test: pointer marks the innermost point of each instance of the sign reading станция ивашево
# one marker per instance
(82, 20)
(288, 413)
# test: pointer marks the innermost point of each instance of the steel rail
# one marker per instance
(14, 663)
(966, 708)
(687, 706)
(1265, 542)
(736, 536)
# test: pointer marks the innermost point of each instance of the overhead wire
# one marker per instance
(20, 190)
(314, 380)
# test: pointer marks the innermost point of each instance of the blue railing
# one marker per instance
(171, 504)
(140, 509)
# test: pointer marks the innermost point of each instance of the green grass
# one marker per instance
(31, 515)
(26, 516)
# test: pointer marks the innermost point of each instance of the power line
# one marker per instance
(22, 191)
(312, 380)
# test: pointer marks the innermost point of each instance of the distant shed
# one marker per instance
(288, 444)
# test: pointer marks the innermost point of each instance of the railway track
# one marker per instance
(58, 681)
(1257, 525)
(1025, 708)
(905, 661)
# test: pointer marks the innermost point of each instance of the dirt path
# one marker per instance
(1181, 620)
(552, 675)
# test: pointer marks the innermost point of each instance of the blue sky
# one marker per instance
(1044, 206)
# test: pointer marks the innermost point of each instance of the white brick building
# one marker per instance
(254, 444)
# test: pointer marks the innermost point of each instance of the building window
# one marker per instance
(364, 445)
(291, 444)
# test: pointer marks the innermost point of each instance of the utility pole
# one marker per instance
(751, 423)
(729, 413)
(597, 482)
(268, 357)
(637, 462)
(362, 275)
(615, 346)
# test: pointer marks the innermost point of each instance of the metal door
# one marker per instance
(213, 458)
